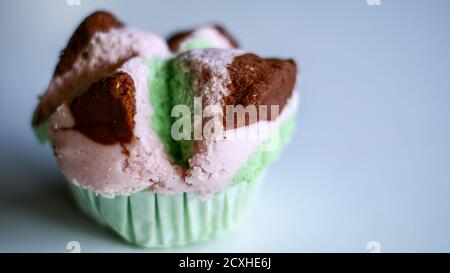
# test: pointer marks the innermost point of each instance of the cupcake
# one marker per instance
(164, 141)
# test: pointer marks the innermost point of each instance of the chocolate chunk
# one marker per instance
(174, 41)
(99, 21)
(227, 35)
(105, 113)
(257, 81)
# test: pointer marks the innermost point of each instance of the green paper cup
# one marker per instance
(151, 219)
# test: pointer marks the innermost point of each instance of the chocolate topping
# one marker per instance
(257, 81)
(99, 21)
(174, 41)
(105, 113)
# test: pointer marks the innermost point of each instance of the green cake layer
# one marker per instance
(161, 101)
(182, 94)
(170, 86)
(41, 132)
(259, 160)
